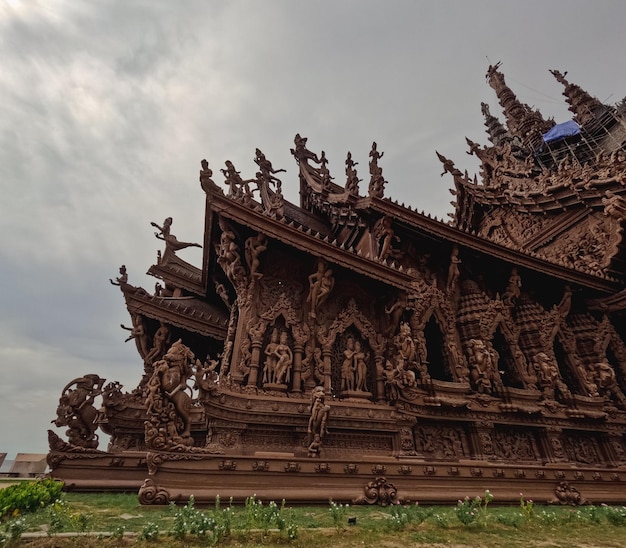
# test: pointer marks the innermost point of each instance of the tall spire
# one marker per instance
(583, 105)
(521, 120)
(495, 129)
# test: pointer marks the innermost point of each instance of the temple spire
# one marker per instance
(583, 105)
(522, 121)
(495, 129)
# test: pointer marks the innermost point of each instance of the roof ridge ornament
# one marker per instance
(377, 181)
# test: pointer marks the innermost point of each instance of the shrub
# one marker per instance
(28, 496)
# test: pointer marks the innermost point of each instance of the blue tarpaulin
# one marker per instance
(560, 131)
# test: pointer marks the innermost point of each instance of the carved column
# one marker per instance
(380, 381)
(326, 353)
(257, 343)
(481, 436)
(300, 338)
(297, 368)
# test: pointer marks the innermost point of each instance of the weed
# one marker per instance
(470, 511)
(403, 516)
(527, 507)
(150, 532)
(338, 513)
(616, 516)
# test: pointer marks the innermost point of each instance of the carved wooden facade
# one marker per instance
(400, 356)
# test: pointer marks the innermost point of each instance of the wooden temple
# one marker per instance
(353, 348)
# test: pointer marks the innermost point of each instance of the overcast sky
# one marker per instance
(107, 108)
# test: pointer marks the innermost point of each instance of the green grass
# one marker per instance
(319, 526)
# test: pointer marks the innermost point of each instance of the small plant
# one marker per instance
(150, 532)
(118, 532)
(225, 522)
(16, 528)
(548, 517)
(470, 511)
(287, 524)
(82, 522)
(441, 520)
(527, 507)
(338, 513)
(59, 517)
(403, 516)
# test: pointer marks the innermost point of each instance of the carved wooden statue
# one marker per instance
(77, 412)
(317, 427)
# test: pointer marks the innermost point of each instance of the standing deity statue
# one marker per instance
(360, 367)
(453, 270)
(284, 361)
(347, 367)
(352, 182)
(271, 358)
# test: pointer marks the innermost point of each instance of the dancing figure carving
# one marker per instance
(171, 242)
(317, 427)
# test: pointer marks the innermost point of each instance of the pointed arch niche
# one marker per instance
(436, 355)
(507, 366)
(350, 323)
